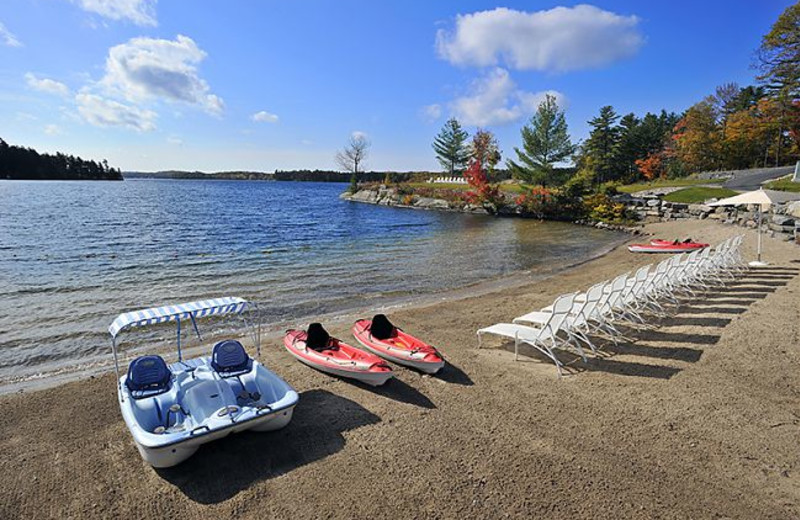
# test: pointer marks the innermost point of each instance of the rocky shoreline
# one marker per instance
(782, 223)
(388, 196)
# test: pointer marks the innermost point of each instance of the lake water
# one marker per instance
(73, 255)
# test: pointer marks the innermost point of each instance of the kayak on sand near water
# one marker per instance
(317, 349)
(384, 339)
(667, 246)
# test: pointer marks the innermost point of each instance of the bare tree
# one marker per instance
(352, 157)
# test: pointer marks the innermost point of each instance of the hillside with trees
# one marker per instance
(19, 163)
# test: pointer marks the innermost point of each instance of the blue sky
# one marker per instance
(266, 84)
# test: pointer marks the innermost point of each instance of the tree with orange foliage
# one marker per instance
(652, 166)
(697, 138)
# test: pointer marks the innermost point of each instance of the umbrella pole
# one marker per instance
(760, 226)
(758, 262)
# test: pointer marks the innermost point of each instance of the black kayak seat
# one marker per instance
(229, 358)
(382, 328)
(317, 338)
(148, 376)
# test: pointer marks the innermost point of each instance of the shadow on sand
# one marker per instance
(399, 391)
(450, 373)
(221, 469)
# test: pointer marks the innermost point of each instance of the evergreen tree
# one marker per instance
(450, 146)
(602, 143)
(629, 148)
(545, 141)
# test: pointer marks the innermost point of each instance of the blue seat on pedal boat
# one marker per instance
(230, 359)
(148, 376)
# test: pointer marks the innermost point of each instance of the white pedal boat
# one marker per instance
(171, 410)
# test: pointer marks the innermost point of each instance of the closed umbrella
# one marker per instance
(763, 199)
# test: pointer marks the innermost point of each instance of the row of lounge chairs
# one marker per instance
(573, 320)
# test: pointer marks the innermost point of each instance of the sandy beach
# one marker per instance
(697, 417)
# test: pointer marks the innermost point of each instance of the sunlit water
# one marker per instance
(75, 254)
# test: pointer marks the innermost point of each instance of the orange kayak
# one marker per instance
(338, 358)
(395, 345)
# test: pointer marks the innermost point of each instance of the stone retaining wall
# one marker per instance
(782, 222)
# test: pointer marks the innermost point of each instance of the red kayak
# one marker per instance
(318, 350)
(688, 242)
(384, 339)
(666, 246)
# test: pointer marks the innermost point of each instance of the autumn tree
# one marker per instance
(545, 142)
(352, 157)
(484, 149)
(779, 54)
(697, 139)
(450, 145)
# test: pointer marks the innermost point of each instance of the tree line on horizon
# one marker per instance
(733, 128)
(20, 163)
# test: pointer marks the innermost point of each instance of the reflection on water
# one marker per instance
(75, 254)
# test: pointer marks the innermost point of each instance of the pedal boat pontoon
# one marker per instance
(171, 410)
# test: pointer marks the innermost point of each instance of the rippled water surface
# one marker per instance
(75, 254)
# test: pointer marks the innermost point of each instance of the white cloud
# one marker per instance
(7, 38)
(306, 142)
(495, 99)
(264, 117)
(431, 113)
(558, 39)
(358, 134)
(148, 68)
(103, 112)
(52, 130)
(175, 140)
(140, 12)
(47, 85)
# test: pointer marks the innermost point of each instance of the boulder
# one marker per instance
(782, 220)
(430, 203)
(653, 203)
(793, 209)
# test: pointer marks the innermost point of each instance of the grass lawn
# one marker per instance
(698, 194)
(666, 183)
(784, 184)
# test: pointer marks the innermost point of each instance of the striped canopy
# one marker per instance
(227, 305)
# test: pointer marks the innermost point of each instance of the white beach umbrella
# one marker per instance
(763, 199)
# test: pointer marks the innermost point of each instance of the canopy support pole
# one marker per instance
(180, 357)
(116, 367)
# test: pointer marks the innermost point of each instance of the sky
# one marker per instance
(261, 85)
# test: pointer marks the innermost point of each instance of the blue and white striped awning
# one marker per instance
(227, 305)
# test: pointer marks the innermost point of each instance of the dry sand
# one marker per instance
(696, 418)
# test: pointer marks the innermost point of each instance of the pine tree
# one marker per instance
(602, 143)
(450, 146)
(545, 141)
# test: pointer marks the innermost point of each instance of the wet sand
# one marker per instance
(696, 417)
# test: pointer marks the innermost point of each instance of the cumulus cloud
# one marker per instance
(431, 113)
(47, 85)
(148, 68)
(140, 12)
(264, 117)
(52, 130)
(104, 112)
(494, 99)
(7, 38)
(557, 40)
